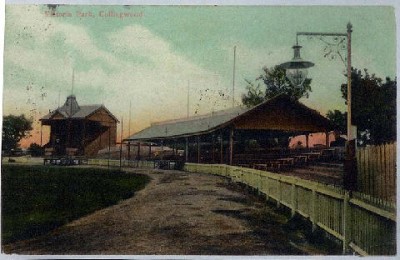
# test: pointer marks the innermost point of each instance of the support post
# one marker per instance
(150, 150)
(327, 139)
(221, 148)
(350, 164)
(109, 146)
(101, 140)
(231, 146)
(129, 151)
(41, 135)
(213, 149)
(138, 151)
(120, 145)
(307, 139)
(198, 149)
(187, 149)
(162, 150)
(174, 149)
(349, 100)
(68, 145)
(83, 137)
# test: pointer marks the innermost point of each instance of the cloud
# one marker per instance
(152, 77)
(162, 80)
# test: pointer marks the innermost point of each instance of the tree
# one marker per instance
(15, 128)
(254, 94)
(276, 83)
(373, 107)
(338, 119)
(36, 150)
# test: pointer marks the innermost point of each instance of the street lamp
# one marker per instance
(296, 71)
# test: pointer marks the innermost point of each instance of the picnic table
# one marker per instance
(288, 160)
(300, 159)
(274, 164)
(328, 153)
(271, 165)
(312, 155)
(65, 160)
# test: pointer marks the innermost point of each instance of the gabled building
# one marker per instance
(216, 137)
(80, 130)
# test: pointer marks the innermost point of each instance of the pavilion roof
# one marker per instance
(239, 117)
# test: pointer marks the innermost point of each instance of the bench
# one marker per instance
(65, 160)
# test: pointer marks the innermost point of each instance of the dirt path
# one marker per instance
(177, 213)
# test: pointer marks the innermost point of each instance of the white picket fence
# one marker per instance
(123, 163)
(363, 227)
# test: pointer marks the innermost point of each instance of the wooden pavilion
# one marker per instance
(225, 136)
(80, 130)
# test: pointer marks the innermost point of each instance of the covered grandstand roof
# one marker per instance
(278, 113)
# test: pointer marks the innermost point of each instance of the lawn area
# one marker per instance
(37, 199)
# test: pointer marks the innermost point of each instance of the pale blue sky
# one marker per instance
(149, 60)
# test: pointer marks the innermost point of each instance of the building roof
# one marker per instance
(71, 109)
(198, 125)
(188, 126)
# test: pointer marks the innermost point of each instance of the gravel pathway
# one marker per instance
(177, 213)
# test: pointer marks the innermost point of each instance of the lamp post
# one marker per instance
(296, 71)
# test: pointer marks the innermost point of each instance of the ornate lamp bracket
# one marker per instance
(335, 44)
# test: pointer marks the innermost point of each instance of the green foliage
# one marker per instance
(338, 119)
(373, 107)
(276, 83)
(36, 150)
(254, 95)
(15, 128)
(37, 199)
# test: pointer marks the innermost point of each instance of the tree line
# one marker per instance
(373, 101)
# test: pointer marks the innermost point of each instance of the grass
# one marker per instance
(37, 199)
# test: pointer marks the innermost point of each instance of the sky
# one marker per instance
(142, 67)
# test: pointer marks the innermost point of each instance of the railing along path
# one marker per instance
(364, 226)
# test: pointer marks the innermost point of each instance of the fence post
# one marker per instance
(278, 202)
(293, 194)
(346, 222)
(266, 187)
(313, 215)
